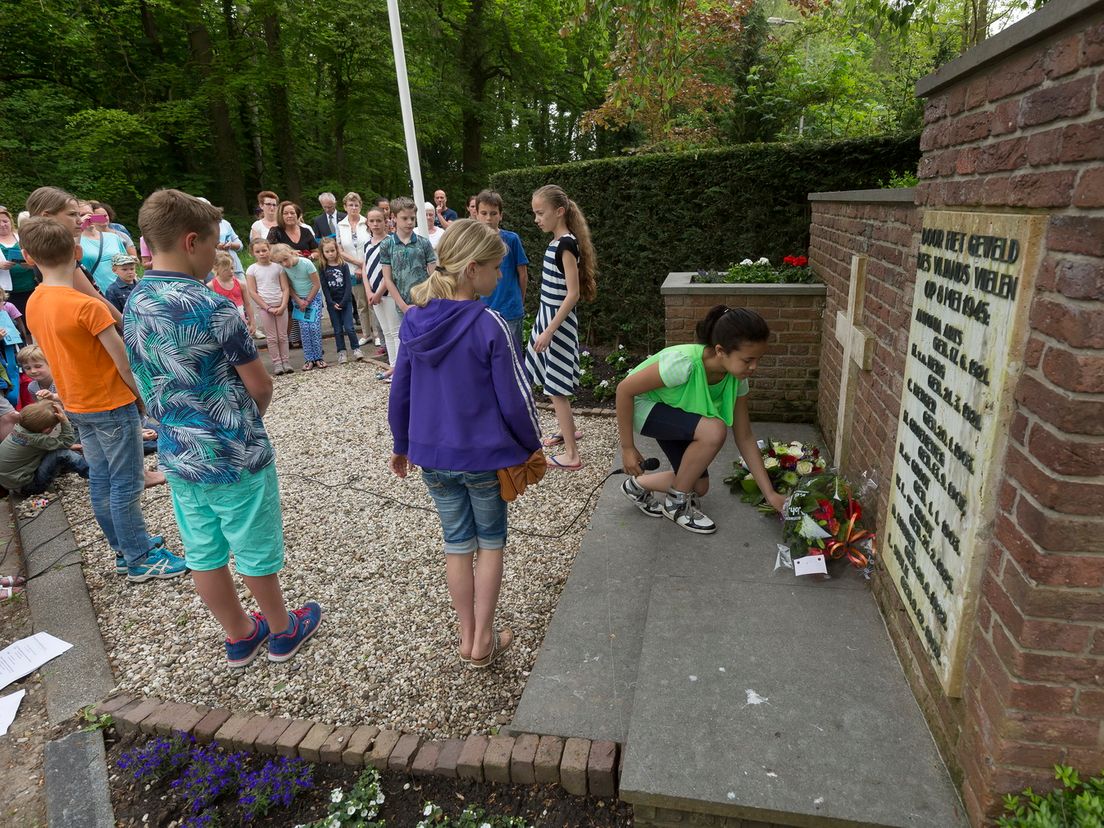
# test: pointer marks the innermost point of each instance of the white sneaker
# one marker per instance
(259, 334)
(378, 343)
(357, 354)
(341, 358)
(363, 340)
(681, 507)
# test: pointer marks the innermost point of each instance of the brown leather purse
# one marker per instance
(513, 480)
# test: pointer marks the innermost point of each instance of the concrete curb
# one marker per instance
(78, 794)
(581, 767)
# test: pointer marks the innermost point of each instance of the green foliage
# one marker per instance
(1074, 804)
(93, 722)
(899, 180)
(653, 214)
(756, 273)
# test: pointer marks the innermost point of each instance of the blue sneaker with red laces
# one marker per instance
(240, 653)
(304, 624)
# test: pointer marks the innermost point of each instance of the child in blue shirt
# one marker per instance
(509, 294)
(213, 446)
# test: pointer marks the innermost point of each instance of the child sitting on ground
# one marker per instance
(125, 268)
(32, 362)
(32, 455)
(225, 284)
(209, 389)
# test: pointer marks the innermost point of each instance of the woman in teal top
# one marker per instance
(13, 263)
(686, 397)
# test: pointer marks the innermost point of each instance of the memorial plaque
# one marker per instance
(975, 275)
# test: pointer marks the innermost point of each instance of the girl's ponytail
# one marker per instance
(465, 241)
(731, 327)
(577, 225)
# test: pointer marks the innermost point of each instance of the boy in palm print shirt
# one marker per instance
(198, 370)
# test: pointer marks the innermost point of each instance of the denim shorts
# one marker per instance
(244, 517)
(472, 511)
(674, 430)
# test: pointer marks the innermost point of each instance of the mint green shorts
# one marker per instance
(242, 517)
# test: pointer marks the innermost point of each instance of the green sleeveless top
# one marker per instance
(686, 386)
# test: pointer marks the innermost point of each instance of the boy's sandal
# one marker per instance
(557, 440)
(501, 642)
(554, 463)
(12, 581)
(9, 592)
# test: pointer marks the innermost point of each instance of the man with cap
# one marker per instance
(125, 268)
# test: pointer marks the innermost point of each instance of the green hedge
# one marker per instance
(652, 214)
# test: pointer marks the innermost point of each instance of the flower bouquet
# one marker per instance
(822, 517)
(786, 464)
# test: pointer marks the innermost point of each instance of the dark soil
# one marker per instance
(139, 804)
(585, 396)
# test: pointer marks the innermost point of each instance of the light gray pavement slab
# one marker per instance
(77, 792)
(59, 602)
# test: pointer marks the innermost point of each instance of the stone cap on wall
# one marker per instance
(891, 195)
(676, 283)
(1050, 18)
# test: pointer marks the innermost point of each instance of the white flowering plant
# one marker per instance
(761, 271)
(358, 807)
(433, 816)
(786, 464)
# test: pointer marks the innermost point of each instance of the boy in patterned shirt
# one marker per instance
(199, 372)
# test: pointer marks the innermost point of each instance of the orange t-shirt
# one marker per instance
(66, 324)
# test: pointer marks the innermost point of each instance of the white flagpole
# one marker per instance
(407, 114)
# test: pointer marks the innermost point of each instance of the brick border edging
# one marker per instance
(580, 766)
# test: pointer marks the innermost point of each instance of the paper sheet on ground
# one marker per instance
(810, 565)
(27, 655)
(9, 706)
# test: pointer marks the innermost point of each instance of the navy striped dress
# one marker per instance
(557, 369)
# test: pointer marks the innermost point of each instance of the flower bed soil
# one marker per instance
(142, 804)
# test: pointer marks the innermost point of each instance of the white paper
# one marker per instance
(9, 706)
(810, 565)
(27, 655)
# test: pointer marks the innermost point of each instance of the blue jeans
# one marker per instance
(515, 326)
(52, 464)
(342, 323)
(112, 442)
(471, 508)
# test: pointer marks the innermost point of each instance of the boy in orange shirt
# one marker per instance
(89, 364)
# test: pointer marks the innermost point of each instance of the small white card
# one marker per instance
(810, 565)
(9, 706)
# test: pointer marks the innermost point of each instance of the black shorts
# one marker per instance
(674, 430)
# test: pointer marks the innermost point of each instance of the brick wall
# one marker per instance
(786, 382)
(1017, 127)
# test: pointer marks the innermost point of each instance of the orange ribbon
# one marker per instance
(850, 547)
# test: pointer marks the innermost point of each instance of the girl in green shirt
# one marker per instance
(685, 397)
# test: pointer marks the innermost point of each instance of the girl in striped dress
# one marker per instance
(552, 358)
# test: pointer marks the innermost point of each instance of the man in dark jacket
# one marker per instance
(326, 223)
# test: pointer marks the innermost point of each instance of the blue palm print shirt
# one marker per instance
(183, 341)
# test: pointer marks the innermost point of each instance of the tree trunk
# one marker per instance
(281, 109)
(149, 29)
(227, 158)
(340, 119)
(471, 107)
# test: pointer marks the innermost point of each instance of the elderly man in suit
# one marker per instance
(326, 223)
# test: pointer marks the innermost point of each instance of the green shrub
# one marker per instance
(1075, 804)
(702, 210)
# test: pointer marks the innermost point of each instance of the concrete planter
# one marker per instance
(784, 388)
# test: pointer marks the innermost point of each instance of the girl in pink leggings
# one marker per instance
(268, 286)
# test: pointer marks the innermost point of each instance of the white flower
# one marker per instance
(335, 823)
(746, 262)
(336, 795)
(804, 467)
(770, 462)
(795, 451)
(604, 384)
(352, 809)
(485, 825)
(620, 347)
(585, 353)
(406, 787)
(763, 260)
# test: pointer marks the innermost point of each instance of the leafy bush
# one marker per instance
(653, 214)
(1075, 804)
(793, 270)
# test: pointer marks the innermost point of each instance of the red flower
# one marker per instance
(816, 453)
(853, 510)
(833, 526)
(825, 510)
(800, 261)
(789, 260)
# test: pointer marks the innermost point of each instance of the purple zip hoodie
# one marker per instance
(459, 397)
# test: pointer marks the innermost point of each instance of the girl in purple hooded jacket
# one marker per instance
(461, 409)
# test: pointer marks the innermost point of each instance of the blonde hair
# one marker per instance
(169, 214)
(465, 242)
(555, 197)
(223, 261)
(329, 240)
(352, 197)
(29, 353)
(39, 417)
(278, 251)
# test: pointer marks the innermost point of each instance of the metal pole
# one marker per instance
(407, 115)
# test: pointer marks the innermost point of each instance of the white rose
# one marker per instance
(804, 467)
(746, 262)
(795, 451)
(770, 462)
(763, 260)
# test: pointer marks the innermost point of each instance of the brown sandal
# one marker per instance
(499, 647)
